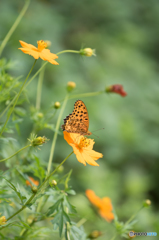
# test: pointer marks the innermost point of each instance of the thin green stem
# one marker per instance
(14, 26)
(55, 134)
(23, 89)
(15, 153)
(81, 222)
(42, 185)
(39, 89)
(47, 178)
(114, 236)
(86, 95)
(133, 216)
(23, 207)
(11, 110)
(66, 51)
(24, 231)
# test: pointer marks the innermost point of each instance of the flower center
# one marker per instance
(84, 142)
(41, 45)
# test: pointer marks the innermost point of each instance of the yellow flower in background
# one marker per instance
(39, 52)
(103, 205)
(83, 148)
(3, 220)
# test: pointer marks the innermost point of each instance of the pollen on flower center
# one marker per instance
(41, 45)
(84, 142)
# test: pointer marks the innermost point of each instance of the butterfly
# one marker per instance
(78, 120)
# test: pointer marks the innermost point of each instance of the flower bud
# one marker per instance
(40, 115)
(147, 203)
(88, 52)
(3, 220)
(53, 182)
(36, 141)
(95, 234)
(116, 88)
(34, 189)
(70, 86)
(30, 219)
(60, 169)
(57, 105)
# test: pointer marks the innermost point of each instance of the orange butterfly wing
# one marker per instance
(78, 120)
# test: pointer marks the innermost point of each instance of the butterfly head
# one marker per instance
(88, 133)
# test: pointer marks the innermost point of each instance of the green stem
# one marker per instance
(114, 236)
(39, 89)
(133, 216)
(81, 222)
(15, 153)
(24, 88)
(24, 231)
(33, 195)
(46, 179)
(23, 207)
(14, 26)
(11, 110)
(65, 51)
(55, 134)
(86, 95)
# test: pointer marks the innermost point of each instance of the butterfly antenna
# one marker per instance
(98, 129)
(95, 135)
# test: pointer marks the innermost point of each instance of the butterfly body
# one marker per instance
(78, 120)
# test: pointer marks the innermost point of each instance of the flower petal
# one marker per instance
(107, 202)
(47, 56)
(79, 155)
(95, 200)
(33, 53)
(26, 45)
(108, 216)
(88, 159)
(94, 155)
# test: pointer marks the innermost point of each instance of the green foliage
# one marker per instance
(124, 34)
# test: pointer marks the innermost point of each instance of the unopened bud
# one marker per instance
(40, 115)
(95, 234)
(34, 189)
(53, 182)
(3, 220)
(70, 86)
(88, 52)
(38, 141)
(57, 105)
(147, 203)
(60, 169)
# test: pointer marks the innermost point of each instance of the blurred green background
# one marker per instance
(125, 35)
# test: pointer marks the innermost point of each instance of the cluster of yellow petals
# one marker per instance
(103, 205)
(82, 148)
(35, 182)
(3, 220)
(39, 52)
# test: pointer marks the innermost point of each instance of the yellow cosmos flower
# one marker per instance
(103, 205)
(3, 220)
(83, 148)
(39, 52)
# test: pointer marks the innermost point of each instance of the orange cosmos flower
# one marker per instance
(83, 148)
(39, 52)
(35, 182)
(103, 205)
